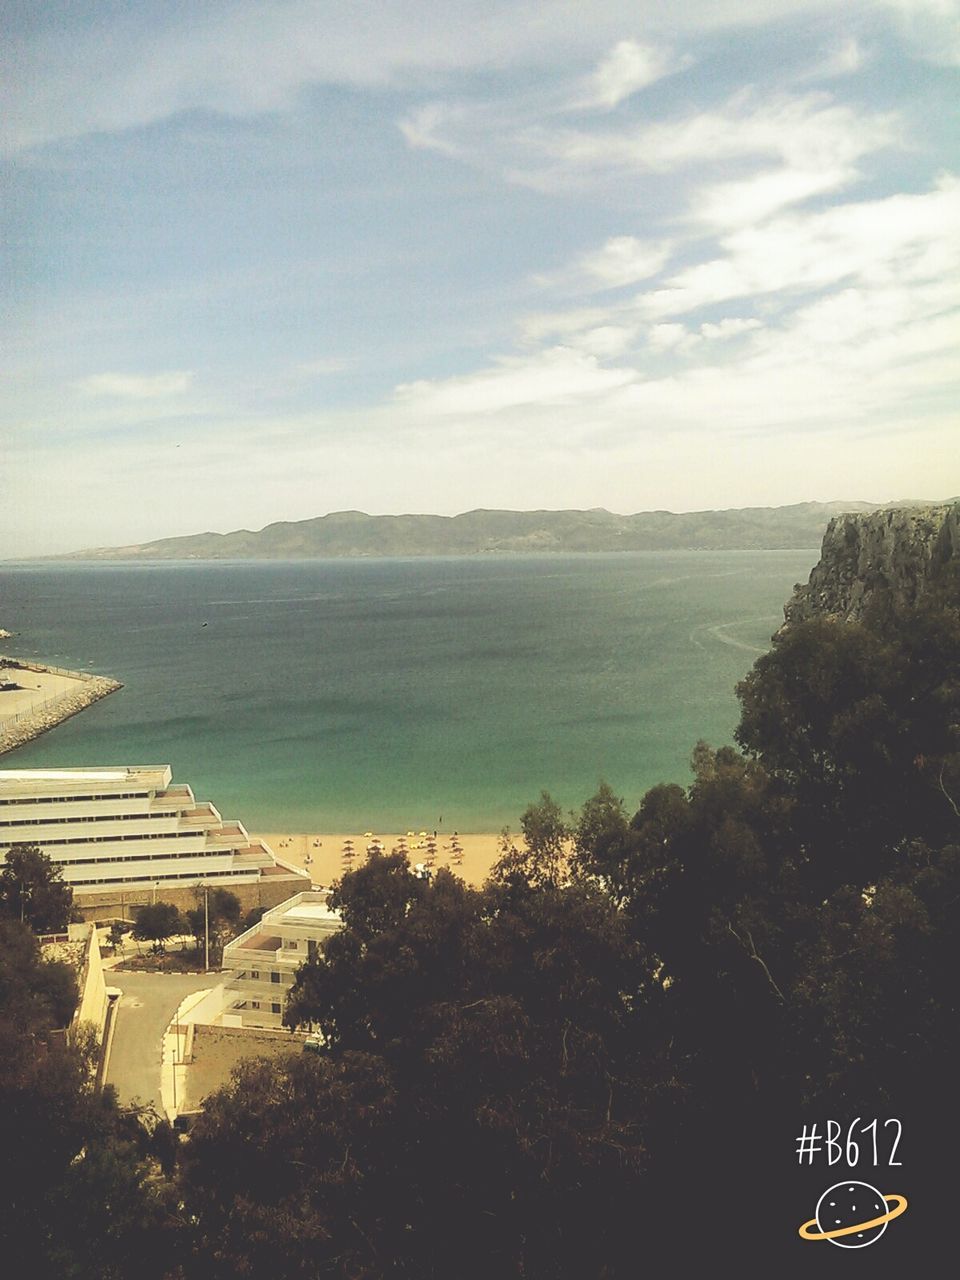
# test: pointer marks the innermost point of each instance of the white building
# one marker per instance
(129, 835)
(261, 963)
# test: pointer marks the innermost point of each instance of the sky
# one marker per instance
(266, 259)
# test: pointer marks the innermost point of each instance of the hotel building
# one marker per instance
(261, 963)
(126, 836)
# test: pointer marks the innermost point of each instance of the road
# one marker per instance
(148, 1004)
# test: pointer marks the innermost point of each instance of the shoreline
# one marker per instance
(322, 854)
(55, 695)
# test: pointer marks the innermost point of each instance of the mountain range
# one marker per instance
(355, 534)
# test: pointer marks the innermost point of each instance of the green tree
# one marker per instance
(861, 728)
(77, 1200)
(32, 890)
(157, 922)
(546, 834)
(539, 1078)
(472, 1113)
(218, 919)
(253, 917)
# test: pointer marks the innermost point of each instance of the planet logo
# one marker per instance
(852, 1215)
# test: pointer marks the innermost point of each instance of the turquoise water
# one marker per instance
(387, 694)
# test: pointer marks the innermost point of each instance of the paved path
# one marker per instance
(147, 1005)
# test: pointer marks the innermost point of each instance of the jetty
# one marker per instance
(35, 697)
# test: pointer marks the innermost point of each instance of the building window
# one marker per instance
(274, 1008)
(274, 976)
(254, 1004)
(255, 974)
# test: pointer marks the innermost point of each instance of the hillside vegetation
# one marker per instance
(355, 534)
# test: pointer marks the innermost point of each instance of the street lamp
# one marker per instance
(206, 925)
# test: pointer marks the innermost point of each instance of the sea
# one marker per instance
(387, 695)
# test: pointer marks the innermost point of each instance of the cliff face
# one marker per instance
(891, 555)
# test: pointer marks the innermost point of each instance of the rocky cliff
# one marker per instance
(889, 557)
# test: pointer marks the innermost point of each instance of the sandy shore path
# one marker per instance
(323, 856)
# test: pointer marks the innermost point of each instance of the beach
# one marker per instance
(323, 854)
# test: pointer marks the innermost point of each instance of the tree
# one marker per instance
(527, 1079)
(218, 918)
(546, 834)
(156, 922)
(32, 890)
(861, 728)
(253, 917)
(70, 1177)
(472, 1112)
(225, 907)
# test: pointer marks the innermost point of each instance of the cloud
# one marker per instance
(810, 131)
(424, 128)
(620, 261)
(108, 72)
(628, 68)
(132, 386)
(751, 200)
(932, 27)
(606, 340)
(817, 141)
(844, 59)
(552, 377)
(729, 327)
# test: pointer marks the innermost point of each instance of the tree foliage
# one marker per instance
(218, 919)
(580, 1068)
(547, 1076)
(156, 922)
(32, 890)
(77, 1200)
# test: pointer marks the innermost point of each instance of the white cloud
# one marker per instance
(750, 200)
(133, 386)
(669, 336)
(423, 128)
(552, 377)
(844, 58)
(628, 68)
(817, 141)
(932, 27)
(730, 327)
(253, 56)
(904, 237)
(619, 262)
(810, 131)
(606, 340)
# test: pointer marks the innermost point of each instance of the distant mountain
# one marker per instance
(353, 534)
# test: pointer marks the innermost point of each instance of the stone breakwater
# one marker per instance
(33, 721)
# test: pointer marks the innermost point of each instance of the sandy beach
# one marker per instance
(323, 854)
